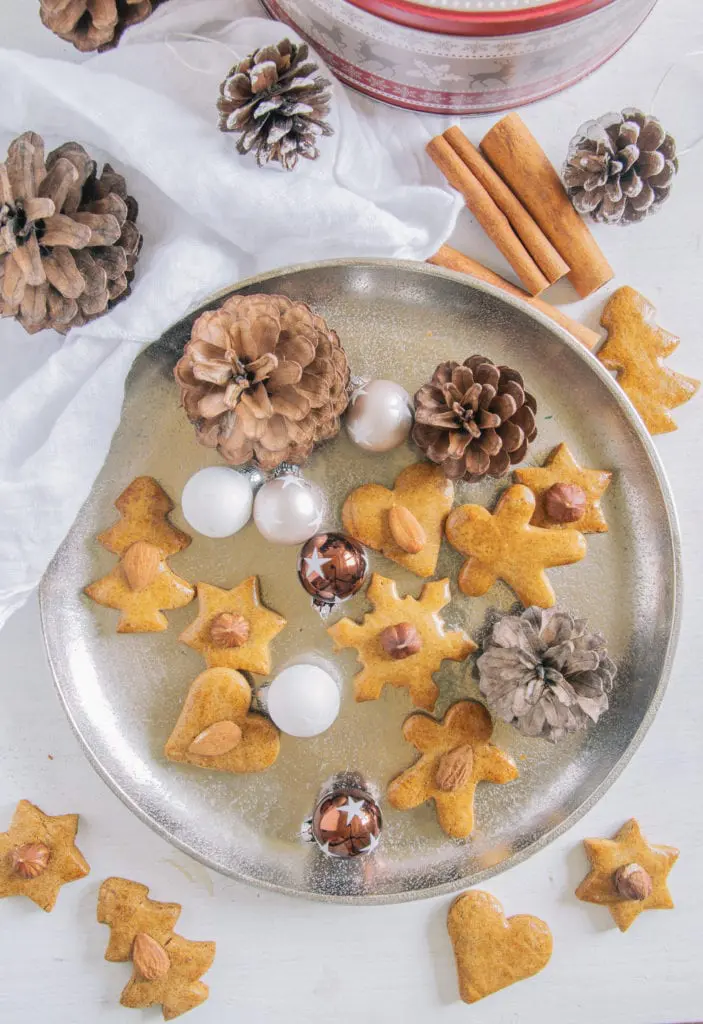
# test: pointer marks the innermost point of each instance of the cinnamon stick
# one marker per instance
(452, 259)
(533, 238)
(522, 163)
(490, 217)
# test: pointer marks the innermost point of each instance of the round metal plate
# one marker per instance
(123, 693)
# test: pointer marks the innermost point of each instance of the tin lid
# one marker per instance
(480, 17)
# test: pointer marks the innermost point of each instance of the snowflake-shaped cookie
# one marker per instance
(431, 644)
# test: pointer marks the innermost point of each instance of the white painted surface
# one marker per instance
(283, 960)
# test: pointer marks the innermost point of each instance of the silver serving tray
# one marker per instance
(123, 693)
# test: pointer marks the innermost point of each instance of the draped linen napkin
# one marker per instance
(209, 218)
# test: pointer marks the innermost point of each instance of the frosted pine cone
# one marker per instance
(542, 672)
(620, 168)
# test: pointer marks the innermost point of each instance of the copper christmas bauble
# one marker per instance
(332, 567)
(347, 823)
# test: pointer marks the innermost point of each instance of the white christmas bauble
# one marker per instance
(288, 510)
(379, 416)
(303, 700)
(217, 501)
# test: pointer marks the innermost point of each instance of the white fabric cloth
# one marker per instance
(209, 218)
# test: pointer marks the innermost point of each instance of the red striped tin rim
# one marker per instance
(474, 23)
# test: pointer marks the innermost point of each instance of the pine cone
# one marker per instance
(94, 24)
(277, 102)
(263, 378)
(474, 419)
(68, 239)
(620, 168)
(542, 672)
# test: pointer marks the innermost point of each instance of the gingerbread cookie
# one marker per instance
(493, 951)
(233, 629)
(567, 495)
(456, 756)
(628, 875)
(144, 507)
(402, 642)
(166, 967)
(140, 586)
(217, 730)
(38, 855)
(634, 348)
(405, 524)
(504, 546)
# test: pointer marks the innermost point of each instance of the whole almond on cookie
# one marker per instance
(406, 531)
(218, 738)
(140, 564)
(149, 957)
(454, 768)
(30, 860)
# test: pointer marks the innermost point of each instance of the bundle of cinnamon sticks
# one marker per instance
(516, 195)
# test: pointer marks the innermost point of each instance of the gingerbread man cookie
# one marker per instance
(233, 629)
(405, 524)
(504, 546)
(634, 348)
(628, 875)
(402, 642)
(38, 855)
(567, 495)
(166, 967)
(140, 586)
(493, 951)
(217, 730)
(456, 756)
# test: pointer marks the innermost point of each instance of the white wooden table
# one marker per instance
(284, 961)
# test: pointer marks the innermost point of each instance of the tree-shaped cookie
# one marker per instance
(166, 967)
(456, 756)
(217, 730)
(402, 642)
(140, 586)
(233, 629)
(503, 545)
(634, 348)
(628, 875)
(144, 507)
(405, 523)
(567, 495)
(38, 855)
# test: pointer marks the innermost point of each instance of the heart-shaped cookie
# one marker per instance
(493, 951)
(405, 524)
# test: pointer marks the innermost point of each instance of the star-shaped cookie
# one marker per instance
(216, 729)
(394, 667)
(504, 545)
(38, 855)
(621, 857)
(456, 756)
(562, 468)
(242, 603)
(141, 602)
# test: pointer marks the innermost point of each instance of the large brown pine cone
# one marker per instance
(474, 419)
(263, 378)
(94, 24)
(68, 238)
